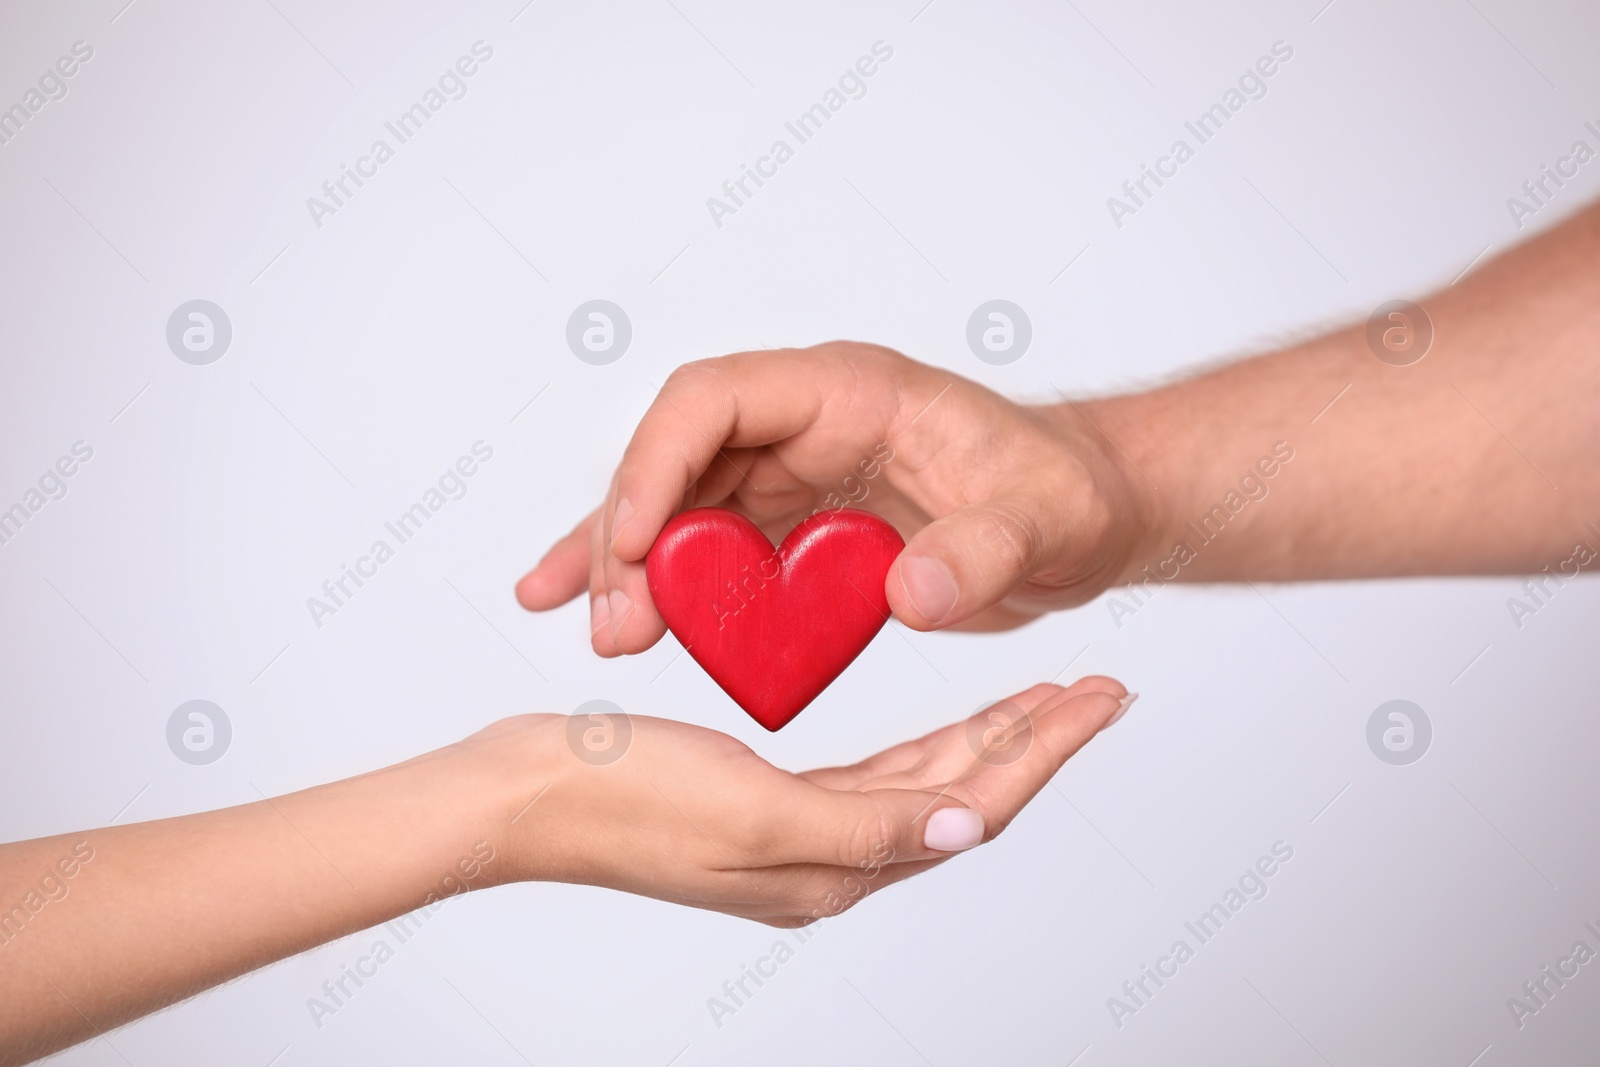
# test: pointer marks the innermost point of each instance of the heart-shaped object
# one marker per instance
(773, 626)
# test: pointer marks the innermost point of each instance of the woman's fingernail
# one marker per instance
(621, 608)
(929, 586)
(1122, 709)
(953, 830)
(599, 614)
(619, 521)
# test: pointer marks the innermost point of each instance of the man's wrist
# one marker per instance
(1120, 430)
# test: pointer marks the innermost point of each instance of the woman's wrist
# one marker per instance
(502, 773)
(407, 835)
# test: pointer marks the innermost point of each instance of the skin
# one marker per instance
(1478, 459)
(159, 911)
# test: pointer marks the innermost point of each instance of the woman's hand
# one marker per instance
(1008, 511)
(123, 920)
(688, 815)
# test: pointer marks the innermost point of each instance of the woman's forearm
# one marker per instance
(1324, 461)
(118, 922)
(189, 902)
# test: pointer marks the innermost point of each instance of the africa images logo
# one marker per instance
(451, 85)
(851, 85)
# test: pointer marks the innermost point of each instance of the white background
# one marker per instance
(371, 352)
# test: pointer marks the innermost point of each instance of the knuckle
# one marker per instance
(878, 356)
(871, 837)
(996, 804)
(863, 362)
(695, 374)
(1010, 534)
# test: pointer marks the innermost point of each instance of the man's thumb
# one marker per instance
(963, 563)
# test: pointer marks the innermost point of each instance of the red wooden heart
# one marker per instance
(773, 626)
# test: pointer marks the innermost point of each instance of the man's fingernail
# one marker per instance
(599, 614)
(953, 830)
(1122, 709)
(621, 608)
(929, 586)
(619, 521)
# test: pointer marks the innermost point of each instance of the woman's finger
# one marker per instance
(948, 751)
(1020, 758)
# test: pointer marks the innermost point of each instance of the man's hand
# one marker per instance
(1008, 511)
(1475, 456)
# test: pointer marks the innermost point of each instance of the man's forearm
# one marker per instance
(1323, 461)
(189, 902)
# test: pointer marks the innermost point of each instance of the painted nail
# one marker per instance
(1122, 709)
(953, 830)
(929, 586)
(619, 521)
(599, 614)
(621, 608)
